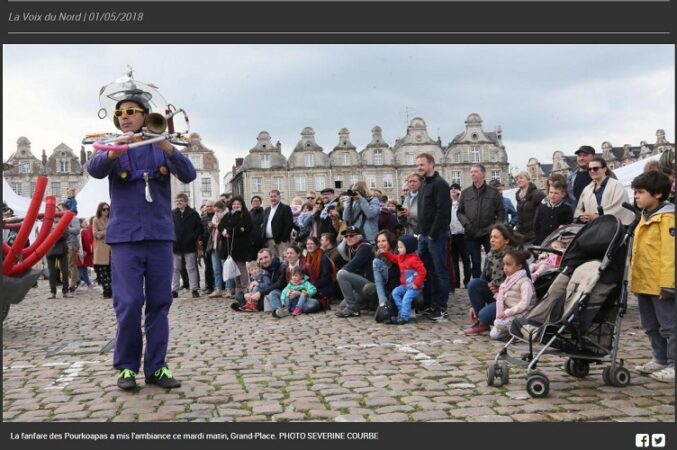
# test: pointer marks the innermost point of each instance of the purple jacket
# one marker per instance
(132, 218)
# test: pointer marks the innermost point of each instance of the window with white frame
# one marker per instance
(56, 188)
(456, 176)
(409, 159)
(387, 180)
(63, 166)
(345, 158)
(475, 154)
(16, 187)
(338, 178)
(378, 157)
(309, 159)
(457, 157)
(353, 179)
(24, 167)
(206, 186)
(257, 185)
(265, 161)
(319, 182)
(300, 184)
(277, 183)
(496, 175)
(371, 181)
(196, 160)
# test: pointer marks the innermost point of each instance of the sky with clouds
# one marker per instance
(545, 97)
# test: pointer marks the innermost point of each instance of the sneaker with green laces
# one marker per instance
(163, 377)
(127, 380)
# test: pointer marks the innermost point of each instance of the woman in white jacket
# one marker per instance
(603, 191)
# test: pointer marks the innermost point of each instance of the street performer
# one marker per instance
(140, 233)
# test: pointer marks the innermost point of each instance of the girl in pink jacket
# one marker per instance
(515, 295)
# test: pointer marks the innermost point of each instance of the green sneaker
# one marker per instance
(163, 378)
(127, 380)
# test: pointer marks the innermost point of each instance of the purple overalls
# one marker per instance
(140, 233)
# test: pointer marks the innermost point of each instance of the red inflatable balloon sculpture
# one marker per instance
(19, 260)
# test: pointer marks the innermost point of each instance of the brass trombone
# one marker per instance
(158, 127)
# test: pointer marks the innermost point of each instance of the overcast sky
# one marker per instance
(545, 97)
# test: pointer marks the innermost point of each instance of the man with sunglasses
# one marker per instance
(579, 178)
(141, 232)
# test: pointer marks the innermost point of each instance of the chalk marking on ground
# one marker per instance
(404, 348)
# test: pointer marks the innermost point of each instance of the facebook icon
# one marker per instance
(642, 440)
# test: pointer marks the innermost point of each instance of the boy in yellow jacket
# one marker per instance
(653, 272)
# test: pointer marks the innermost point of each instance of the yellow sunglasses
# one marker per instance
(128, 111)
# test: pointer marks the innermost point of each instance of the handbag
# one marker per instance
(230, 269)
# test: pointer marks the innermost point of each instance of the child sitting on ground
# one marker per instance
(516, 295)
(412, 275)
(653, 272)
(295, 294)
(548, 262)
(258, 280)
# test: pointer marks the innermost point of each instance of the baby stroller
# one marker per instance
(580, 316)
(565, 235)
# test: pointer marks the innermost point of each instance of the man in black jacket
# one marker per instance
(434, 215)
(204, 238)
(276, 271)
(188, 230)
(356, 273)
(480, 207)
(278, 222)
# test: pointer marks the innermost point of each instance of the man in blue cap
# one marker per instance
(140, 233)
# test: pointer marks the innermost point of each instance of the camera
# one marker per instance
(350, 193)
(399, 207)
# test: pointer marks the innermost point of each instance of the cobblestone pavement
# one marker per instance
(247, 367)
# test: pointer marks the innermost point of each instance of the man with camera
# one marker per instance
(434, 215)
(361, 210)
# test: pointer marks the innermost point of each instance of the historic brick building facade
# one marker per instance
(381, 166)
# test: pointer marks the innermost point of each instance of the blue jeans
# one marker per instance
(434, 256)
(274, 300)
(217, 266)
(83, 275)
(474, 246)
(307, 305)
(482, 300)
(658, 321)
(380, 279)
(403, 297)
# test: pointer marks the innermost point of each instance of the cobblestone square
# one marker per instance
(244, 367)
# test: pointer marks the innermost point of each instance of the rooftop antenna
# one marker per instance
(406, 112)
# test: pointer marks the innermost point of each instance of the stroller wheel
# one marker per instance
(619, 376)
(577, 367)
(606, 377)
(491, 373)
(538, 385)
(505, 372)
